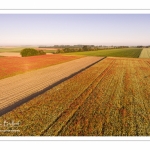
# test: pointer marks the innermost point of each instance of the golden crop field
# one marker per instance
(111, 98)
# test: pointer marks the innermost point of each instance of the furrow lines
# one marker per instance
(77, 103)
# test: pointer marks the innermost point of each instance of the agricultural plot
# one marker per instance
(111, 98)
(145, 53)
(11, 49)
(11, 66)
(124, 52)
(21, 87)
(13, 54)
(18, 49)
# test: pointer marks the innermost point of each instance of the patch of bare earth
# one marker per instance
(10, 54)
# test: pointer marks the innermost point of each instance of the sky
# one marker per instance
(72, 29)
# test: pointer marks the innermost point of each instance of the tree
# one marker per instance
(85, 48)
(31, 52)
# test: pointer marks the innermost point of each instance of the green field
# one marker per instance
(125, 52)
(49, 51)
(18, 49)
(15, 49)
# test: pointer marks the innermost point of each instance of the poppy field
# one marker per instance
(110, 98)
(10, 66)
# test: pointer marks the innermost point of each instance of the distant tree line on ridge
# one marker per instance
(68, 49)
(85, 48)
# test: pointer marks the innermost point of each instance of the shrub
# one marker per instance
(31, 52)
(41, 52)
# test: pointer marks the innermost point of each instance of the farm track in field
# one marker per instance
(20, 88)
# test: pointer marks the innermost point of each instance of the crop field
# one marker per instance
(11, 49)
(20, 87)
(145, 53)
(10, 66)
(111, 98)
(18, 49)
(13, 54)
(125, 52)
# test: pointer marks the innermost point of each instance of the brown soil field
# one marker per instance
(10, 54)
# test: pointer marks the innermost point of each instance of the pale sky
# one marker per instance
(56, 29)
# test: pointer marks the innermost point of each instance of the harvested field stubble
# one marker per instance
(111, 98)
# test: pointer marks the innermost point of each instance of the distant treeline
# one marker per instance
(68, 49)
(92, 46)
(143, 46)
(85, 48)
(81, 46)
(67, 46)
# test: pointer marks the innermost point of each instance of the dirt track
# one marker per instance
(24, 86)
